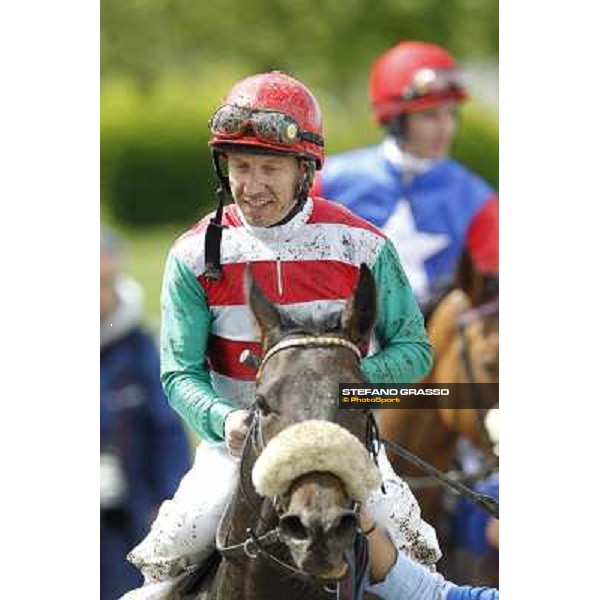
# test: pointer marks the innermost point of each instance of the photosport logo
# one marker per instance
(419, 395)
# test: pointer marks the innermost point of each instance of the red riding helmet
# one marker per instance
(413, 76)
(271, 111)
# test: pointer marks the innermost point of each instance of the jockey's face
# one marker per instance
(264, 187)
(430, 132)
(108, 296)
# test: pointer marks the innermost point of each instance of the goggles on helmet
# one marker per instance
(429, 81)
(269, 126)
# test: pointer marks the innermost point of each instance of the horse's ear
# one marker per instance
(264, 311)
(360, 311)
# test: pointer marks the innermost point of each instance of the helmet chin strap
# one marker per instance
(396, 127)
(307, 178)
(214, 231)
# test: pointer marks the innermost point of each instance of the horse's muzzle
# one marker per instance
(318, 543)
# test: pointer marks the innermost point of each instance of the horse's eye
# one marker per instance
(263, 405)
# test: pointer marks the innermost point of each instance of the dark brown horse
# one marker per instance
(315, 519)
(463, 329)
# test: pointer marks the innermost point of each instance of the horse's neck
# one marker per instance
(442, 323)
(248, 509)
(235, 578)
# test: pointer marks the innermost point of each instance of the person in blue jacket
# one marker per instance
(434, 209)
(144, 450)
(394, 576)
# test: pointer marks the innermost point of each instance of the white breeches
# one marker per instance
(183, 533)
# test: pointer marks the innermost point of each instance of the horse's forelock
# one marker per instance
(314, 325)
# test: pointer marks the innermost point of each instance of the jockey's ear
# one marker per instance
(265, 312)
(360, 311)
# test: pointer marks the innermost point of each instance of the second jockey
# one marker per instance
(430, 206)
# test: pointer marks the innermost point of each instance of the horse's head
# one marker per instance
(308, 447)
(467, 350)
(475, 306)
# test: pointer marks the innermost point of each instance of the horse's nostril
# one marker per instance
(346, 526)
(291, 526)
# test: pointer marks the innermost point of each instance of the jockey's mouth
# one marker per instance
(257, 202)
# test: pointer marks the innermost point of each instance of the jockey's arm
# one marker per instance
(406, 352)
(184, 337)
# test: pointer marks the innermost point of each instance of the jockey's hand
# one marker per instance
(237, 424)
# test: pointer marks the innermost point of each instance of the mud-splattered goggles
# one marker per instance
(269, 126)
(431, 81)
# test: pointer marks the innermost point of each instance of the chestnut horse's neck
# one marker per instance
(432, 433)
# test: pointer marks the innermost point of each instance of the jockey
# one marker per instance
(429, 205)
(305, 253)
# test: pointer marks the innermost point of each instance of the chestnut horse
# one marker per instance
(463, 329)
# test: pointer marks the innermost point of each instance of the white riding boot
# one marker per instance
(183, 534)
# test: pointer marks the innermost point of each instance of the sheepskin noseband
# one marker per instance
(315, 446)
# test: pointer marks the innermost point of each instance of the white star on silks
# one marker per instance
(413, 246)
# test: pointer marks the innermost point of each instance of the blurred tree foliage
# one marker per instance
(155, 162)
(326, 41)
(167, 63)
